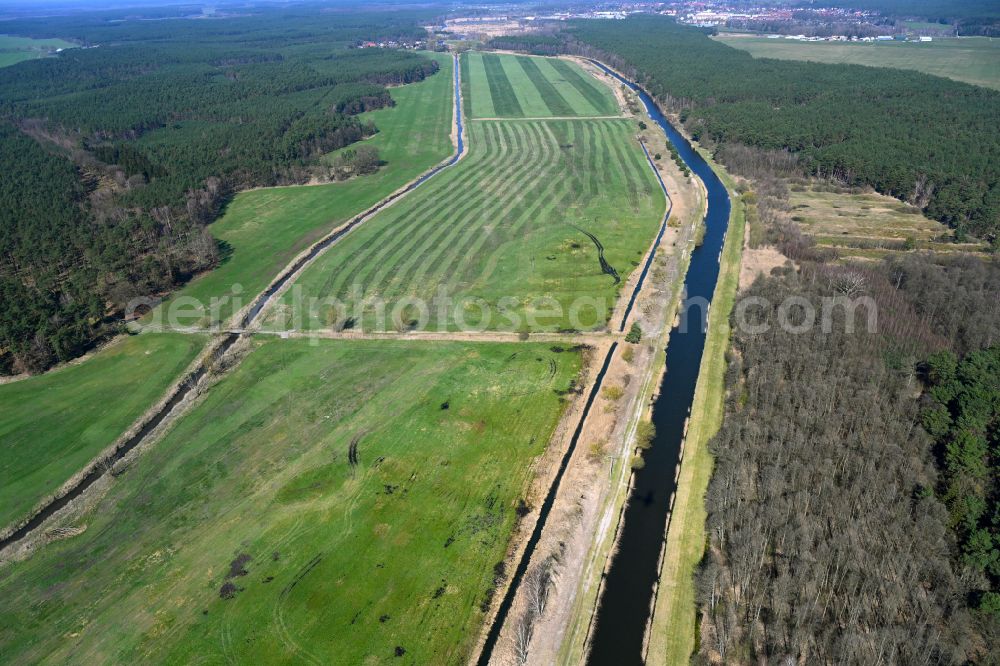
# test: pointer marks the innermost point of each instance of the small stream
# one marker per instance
(620, 625)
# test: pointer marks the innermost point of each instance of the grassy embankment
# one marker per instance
(265, 229)
(15, 49)
(52, 425)
(673, 631)
(335, 501)
(974, 60)
(501, 227)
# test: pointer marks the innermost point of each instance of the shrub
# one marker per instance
(613, 392)
(644, 434)
(634, 334)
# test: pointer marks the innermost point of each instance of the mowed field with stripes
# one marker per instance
(511, 238)
(503, 86)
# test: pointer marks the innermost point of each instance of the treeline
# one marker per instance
(544, 45)
(116, 157)
(924, 139)
(962, 413)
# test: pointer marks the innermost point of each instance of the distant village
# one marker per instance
(777, 21)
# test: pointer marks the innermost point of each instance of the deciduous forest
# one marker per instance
(118, 154)
(852, 514)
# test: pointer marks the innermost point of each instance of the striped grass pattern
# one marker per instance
(503, 223)
(504, 86)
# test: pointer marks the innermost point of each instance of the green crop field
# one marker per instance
(505, 86)
(332, 502)
(262, 230)
(15, 49)
(974, 60)
(503, 230)
(52, 425)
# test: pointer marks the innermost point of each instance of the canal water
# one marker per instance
(624, 607)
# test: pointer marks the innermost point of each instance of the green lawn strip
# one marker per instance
(479, 97)
(974, 60)
(501, 229)
(505, 102)
(673, 633)
(556, 103)
(597, 95)
(332, 500)
(465, 69)
(265, 229)
(52, 425)
(528, 95)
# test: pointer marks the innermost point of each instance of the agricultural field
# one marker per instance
(507, 86)
(52, 425)
(333, 501)
(15, 49)
(506, 232)
(262, 230)
(974, 60)
(865, 224)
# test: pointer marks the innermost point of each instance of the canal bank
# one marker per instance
(618, 633)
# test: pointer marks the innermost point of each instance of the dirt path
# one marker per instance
(584, 517)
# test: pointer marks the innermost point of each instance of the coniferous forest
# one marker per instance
(116, 155)
(924, 139)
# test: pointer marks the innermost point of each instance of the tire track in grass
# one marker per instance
(553, 99)
(603, 105)
(605, 266)
(501, 91)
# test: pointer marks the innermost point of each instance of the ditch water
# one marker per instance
(189, 382)
(628, 591)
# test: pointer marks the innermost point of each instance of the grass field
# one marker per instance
(859, 223)
(672, 635)
(351, 498)
(52, 425)
(15, 49)
(974, 60)
(503, 229)
(264, 229)
(506, 86)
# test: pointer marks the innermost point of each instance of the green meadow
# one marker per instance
(327, 502)
(15, 49)
(974, 60)
(52, 425)
(506, 86)
(263, 230)
(503, 234)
